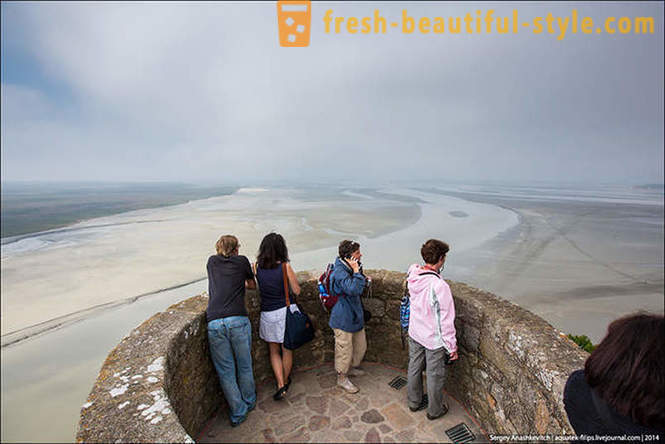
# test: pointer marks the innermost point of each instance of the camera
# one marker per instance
(446, 358)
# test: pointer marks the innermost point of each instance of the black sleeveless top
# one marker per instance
(271, 288)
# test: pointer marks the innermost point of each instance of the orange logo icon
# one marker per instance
(294, 18)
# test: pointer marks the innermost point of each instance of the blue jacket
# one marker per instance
(347, 314)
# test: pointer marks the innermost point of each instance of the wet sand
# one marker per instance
(578, 264)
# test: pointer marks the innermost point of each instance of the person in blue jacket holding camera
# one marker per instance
(347, 317)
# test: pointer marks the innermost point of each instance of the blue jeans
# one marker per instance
(231, 351)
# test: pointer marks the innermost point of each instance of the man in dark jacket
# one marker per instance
(346, 317)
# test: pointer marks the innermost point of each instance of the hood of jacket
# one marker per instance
(418, 281)
(342, 264)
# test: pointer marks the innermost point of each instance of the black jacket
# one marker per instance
(590, 415)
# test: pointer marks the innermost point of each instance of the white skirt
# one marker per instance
(273, 324)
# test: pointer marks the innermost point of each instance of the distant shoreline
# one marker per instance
(28, 209)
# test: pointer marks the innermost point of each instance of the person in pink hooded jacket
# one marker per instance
(431, 329)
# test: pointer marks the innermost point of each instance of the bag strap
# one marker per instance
(430, 272)
(405, 285)
(255, 268)
(286, 285)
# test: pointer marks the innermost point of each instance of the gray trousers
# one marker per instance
(436, 373)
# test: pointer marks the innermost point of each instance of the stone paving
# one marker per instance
(316, 410)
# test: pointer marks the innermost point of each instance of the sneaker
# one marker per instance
(343, 381)
(355, 371)
(443, 412)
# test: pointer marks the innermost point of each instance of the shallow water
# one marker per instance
(45, 380)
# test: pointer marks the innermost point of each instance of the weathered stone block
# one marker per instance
(318, 404)
(392, 308)
(375, 306)
(372, 435)
(397, 416)
(318, 422)
(492, 353)
(470, 336)
(343, 422)
(371, 417)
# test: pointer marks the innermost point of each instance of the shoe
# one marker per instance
(423, 405)
(355, 371)
(279, 395)
(236, 424)
(443, 412)
(288, 383)
(343, 381)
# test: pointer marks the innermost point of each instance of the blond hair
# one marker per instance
(226, 245)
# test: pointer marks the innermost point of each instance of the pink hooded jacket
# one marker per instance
(432, 312)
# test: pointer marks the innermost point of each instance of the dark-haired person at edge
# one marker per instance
(347, 317)
(431, 330)
(273, 255)
(229, 330)
(621, 390)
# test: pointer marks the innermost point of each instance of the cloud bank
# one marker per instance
(203, 92)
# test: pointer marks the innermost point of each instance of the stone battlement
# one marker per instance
(159, 384)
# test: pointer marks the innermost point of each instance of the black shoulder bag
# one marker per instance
(299, 328)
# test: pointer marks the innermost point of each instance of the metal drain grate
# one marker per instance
(398, 382)
(460, 433)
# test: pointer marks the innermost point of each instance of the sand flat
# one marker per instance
(578, 263)
(113, 258)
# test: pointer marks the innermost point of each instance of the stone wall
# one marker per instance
(159, 384)
(513, 365)
(137, 390)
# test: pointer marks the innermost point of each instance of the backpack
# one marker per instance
(405, 307)
(328, 300)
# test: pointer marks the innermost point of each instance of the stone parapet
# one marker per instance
(513, 365)
(158, 384)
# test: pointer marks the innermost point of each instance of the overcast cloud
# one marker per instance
(176, 91)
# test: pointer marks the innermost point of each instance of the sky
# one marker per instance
(202, 92)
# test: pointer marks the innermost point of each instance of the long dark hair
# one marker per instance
(627, 370)
(271, 251)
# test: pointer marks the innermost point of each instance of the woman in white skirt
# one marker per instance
(273, 255)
